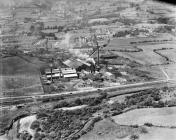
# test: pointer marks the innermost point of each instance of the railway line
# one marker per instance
(112, 91)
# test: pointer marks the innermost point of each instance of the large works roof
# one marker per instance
(75, 63)
(70, 75)
(68, 70)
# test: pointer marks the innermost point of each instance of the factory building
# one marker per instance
(69, 73)
(61, 73)
(54, 73)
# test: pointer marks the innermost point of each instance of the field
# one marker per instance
(163, 120)
(148, 56)
(159, 134)
(19, 76)
(162, 50)
(143, 53)
(118, 44)
(108, 130)
(145, 58)
(151, 56)
(156, 116)
(170, 70)
(155, 72)
(171, 54)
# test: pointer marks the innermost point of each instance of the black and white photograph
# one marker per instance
(87, 70)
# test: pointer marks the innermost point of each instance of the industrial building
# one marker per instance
(61, 73)
(69, 73)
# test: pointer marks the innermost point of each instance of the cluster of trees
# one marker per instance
(35, 29)
(121, 33)
(50, 99)
(142, 74)
(49, 35)
(117, 108)
(60, 28)
(61, 124)
(149, 41)
(86, 129)
(164, 29)
(163, 20)
(149, 97)
(130, 32)
(24, 136)
(91, 101)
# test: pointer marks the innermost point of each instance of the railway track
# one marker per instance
(112, 91)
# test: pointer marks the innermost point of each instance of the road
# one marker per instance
(127, 88)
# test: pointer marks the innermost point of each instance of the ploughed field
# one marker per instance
(19, 77)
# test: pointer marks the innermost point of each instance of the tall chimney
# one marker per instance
(98, 47)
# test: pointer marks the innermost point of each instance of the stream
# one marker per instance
(20, 126)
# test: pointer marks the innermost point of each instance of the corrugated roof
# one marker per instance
(54, 75)
(70, 75)
(72, 63)
(48, 71)
(75, 63)
(68, 71)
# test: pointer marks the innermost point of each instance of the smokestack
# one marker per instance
(98, 66)
(98, 48)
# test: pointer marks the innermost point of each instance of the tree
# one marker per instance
(78, 101)
(95, 101)
(143, 130)
(163, 20)
(35, 125)
(148, 101)
(134, 137)
(156, 96)
(148, 124)
(32, 28)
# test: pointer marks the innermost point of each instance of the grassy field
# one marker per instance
(159, 134)
(156, 116)
(162, 119)
(157, 46)
(171, 54)
(155, 72)
(20, 76)
(118, 44)
(108, 130)
(147, 56)
(170, 70)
